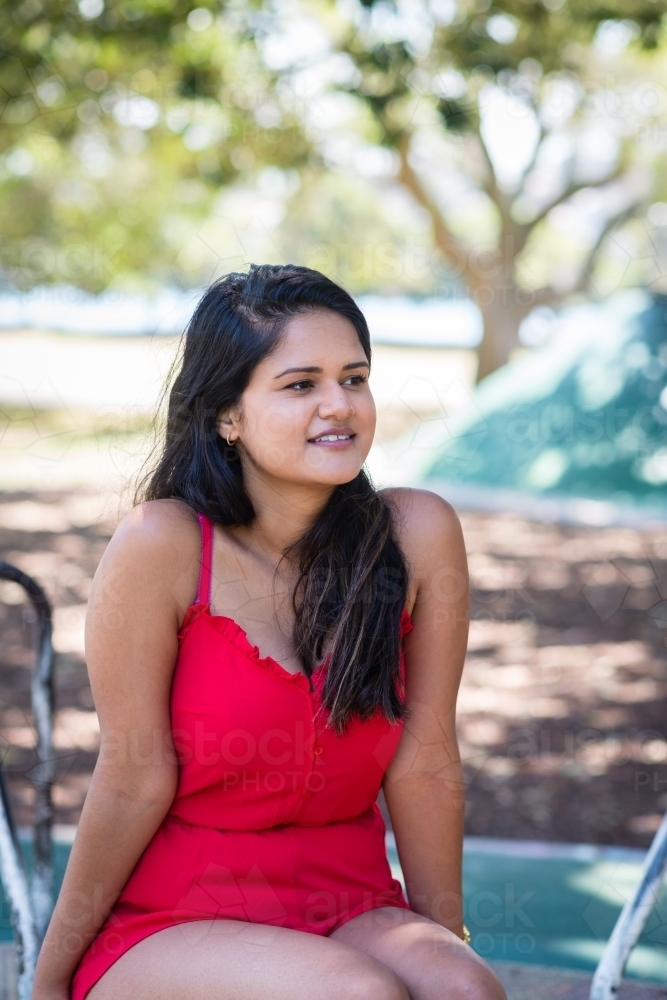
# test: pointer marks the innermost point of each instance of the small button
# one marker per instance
(307, 795)
(318, 749)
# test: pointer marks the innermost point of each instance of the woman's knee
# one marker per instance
(376, 982)
(476, 981)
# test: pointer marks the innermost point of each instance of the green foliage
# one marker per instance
(125, 122)
(456, 118)
(437, 76)
(482, 41)
(120, 123)
(337, 225)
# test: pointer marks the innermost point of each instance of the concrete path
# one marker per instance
(536, 982)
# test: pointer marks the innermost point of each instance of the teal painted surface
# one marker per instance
(558, 912)
(60, 862)
(555, 911)
(584, 416)
(542, 911)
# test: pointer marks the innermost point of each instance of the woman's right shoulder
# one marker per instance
(155, 550)
(164, 534)
(159, 522)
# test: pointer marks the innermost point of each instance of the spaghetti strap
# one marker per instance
(206, 564)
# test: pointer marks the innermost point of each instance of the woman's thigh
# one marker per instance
(237, 960)
(433, 963)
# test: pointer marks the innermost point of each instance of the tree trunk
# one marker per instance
(501, 327)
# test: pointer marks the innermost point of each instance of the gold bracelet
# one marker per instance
(466, 935)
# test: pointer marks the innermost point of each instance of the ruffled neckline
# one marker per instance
(238, 637)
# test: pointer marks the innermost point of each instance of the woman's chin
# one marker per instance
(337, 468)
(328, 474)
(332, 461)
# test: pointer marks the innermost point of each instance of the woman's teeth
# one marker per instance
(332, 437)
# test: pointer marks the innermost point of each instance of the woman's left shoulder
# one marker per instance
(421, 519)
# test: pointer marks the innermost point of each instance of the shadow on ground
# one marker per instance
(563, 708)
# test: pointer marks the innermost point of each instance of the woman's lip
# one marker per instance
(335, 444)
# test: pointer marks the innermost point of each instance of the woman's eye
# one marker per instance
(360, 379)
(295, 385)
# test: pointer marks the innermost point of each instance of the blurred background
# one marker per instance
(489, 179)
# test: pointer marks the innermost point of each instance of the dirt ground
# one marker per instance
(563, 707)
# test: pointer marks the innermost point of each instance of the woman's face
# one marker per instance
(315, 383)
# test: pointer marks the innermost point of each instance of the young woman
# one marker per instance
(245, 643)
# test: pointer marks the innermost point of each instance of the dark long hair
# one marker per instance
(352, 578)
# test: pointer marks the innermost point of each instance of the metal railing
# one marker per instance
(30, 897)
(632, 920)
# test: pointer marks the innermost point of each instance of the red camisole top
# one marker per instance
(275, 818)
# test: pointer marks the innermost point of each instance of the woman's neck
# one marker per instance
(284, 513)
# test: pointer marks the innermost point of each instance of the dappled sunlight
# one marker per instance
(564, 693)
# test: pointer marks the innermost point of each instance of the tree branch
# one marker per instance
(493, 189)
(571, 189)
(536, 151)
(548, 295)
(451, 246)
(583, 280)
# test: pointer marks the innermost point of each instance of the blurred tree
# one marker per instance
(525, 132)
(498, 114)
(120, 123)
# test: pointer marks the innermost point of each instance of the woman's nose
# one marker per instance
(336, 402)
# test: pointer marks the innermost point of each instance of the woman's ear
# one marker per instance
(224, 425)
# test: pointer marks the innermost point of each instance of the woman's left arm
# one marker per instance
(424, 786)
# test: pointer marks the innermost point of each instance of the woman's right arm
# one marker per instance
(143, 584)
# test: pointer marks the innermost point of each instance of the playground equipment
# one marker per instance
(30, 896)
(632, 920)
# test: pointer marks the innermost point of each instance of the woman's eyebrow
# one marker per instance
(314, 368)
